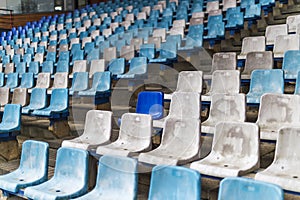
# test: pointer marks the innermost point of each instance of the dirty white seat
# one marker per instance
(79, 66)
(257, 60)
(20, 96)
(292, 22)
(43, 81)
(251, 44)
(134, 136)
(97, 131)
(110, 53)
(273, 31)
(223, 82)
(284, 43)
(161, 32)
(284, 171)
(275, 111)
(180, 143)
(225, 108)
(60, 81)
(96, 66)
(183, 105)
(235, 151)
(188, 81)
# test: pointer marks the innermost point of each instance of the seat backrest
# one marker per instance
(291, 65)
(251, 44)
(292, 22)
(258, 60)
(80, 81)
(136, 128)
(68, 160)
(101, 81)
(284, 43)
(97, 66)
(127, 52)
(60, 80)
(235, 188)
(21, 68)
(59, 98)
(147, 50)
(43, 80)
(12, 116)
(20, 96)
(185, 105)
(110, 53)
(225, 82)
(48, 67)
(119, 169)
(223, 61)
(38, 98)
(117, 66)
(138, 65)
(12, 80)
(80, 66)
(189, 81)
(33, 67)
(273, 31)
(4, 96)
(62, 66)
(174, 182)
(226, 107)
(9, 68)
(151, 103)
(34, 158)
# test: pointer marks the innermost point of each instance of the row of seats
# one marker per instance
(31, 178)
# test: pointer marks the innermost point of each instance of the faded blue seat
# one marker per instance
(245, 3)
(59, 105)
(47, 67)
(291, 64)
(11, 120)
(230, 11)
(94, 54)
(147, 50)
(21, 68)
(34, 67)
(194, 37)
(174, 39)
(62, 66)
(174, 182)
(100, 85)
(27, 80)
(67, 182)
(236, 188)
(88, 47)
(80, 82)
(265, 81)
(12, 80)
(27, 58)
(167, 52)
(5, 59)
(151, 103)
(33, 168)
(116, 67)
(112, 170)
(252, 12)
(215, 28)
(235, 21)
(64, 55)
(51, 56)
(38, 100)
(78, 55)
(16, 58)
(138, 67)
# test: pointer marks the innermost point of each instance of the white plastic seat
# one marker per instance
(161, 32)
(96, 66)
(134, 136)
(284, 171)
(39, 57)
(127, 52)
(292, 22)
(97, 131)
(60, 81)
(20, 96)
(180, 143)
(79, 66)
(273, 31)
(251, 44)
(43, 81)
(225, 108)
(235, 151)
(223, 82)
(109, 54)
(275, 111)
(284, 43)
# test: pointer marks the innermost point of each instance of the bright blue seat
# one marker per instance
(64, 55)
(245, 3)
(88, 47)
(235, 21)
(151, 103)
(174, 39)
(116, 66)
(265, 81)
(138, 67)
(11, 120)
(147, 50)
(167, 52)
(100, 85)
(62, 66)
(291, 64)
(215, 28)
(12, 80)
(232, 10)
(59, 105)
(33, 67)
(79, 82)
(33, 168)
(38, 100)
(21, 68)
(67, 182)
(194, 37)
(51, 56)
(114, 169)
(174, 182)
(75, 47)
(47, 67)
(253, 12)
(27, 80)
(236, 188)
(16, 58)
(78, 55)
(94, 54)
(27, 58)
(5, 59)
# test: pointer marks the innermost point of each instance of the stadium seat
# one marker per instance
(38, 100)
(43, 81)
(127, 52)
(20, 96)
(188, 81)
(62, 66)
(137, 42)
(79, 66)
(97, 131)
(79, 82)
(60, 81)
(9, 68)
(114, 169)
(230, 107)
(47, 67)
(147, 50)
(151, 102)
(235, 151)
(276, 111)
(173, 182)
(59, 105)
(235, 21)
(33, 168)
(33, 67)
(265, 81)
(251, 44)
(11, 120)
(283, 171)
(228, 4)
(27, 80)
(12, 80)
(235, 188)
(292, 22)
(291, 65)
(20, 68)
(252, 12)
(109, 54)
(223, 82)
(96, 66)
(138, 68)
(284, 43)
(167, 53)
(4, 97)
(273, 31)
(257, 60)
(68, 162)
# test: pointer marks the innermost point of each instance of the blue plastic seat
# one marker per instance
(100, 85)
(38, 100)
(27, 58)
(265, 81)
(75, 47)
(245, 3)
(33, 168)
(59, 105)
(174, 39)
(114, 169)
(253, 12)
(88, 47)
(174, 182)
(21, 68)
(215, 28)
(291, 64)
(147, 50)
(47, 67)
(16, 58)
(12, 80)
(232, 10)
(51, 56)
(79, 82)
(62, 66)
(64, 55)
(67, 182)
(94, 54)
(33, 67)
(138, 67)
(78, 55)
(167, 52)
(27, 80)
(5, 59)
(236, 188)
(116, 67)
(151, 103)
(11, 120)
(194, 37)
